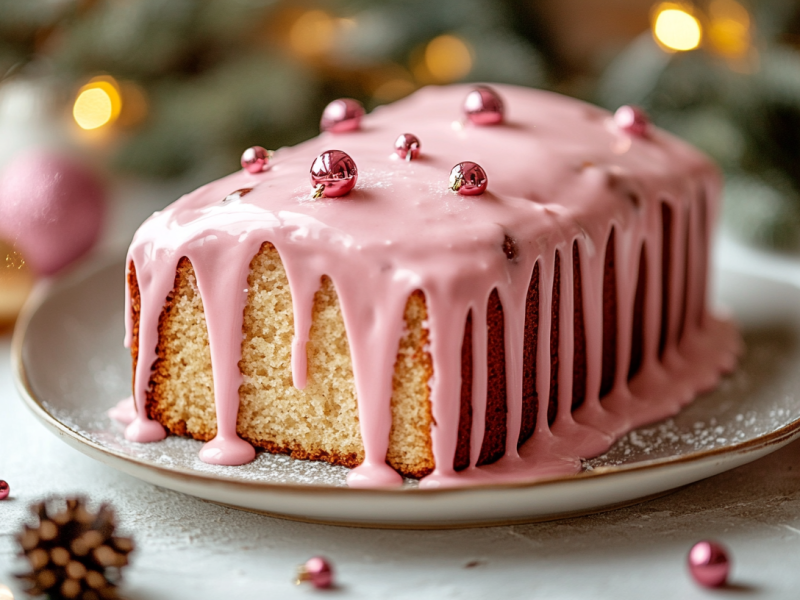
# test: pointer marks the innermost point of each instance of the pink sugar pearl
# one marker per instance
(342, 115)
(407, 146)
(709, 563)
(52, 209)
(632, 120)
(255, 159)
(468, 179)
(483, 106)
(318, 571)
(5, 489)
(333, 174)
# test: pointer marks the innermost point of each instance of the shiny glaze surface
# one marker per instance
(560, 173)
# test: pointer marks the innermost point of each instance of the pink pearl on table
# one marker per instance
(255, 159)
(407, 146)
(5, 489)
(708, 563)
(468, 179)
(483, 106)
(333, 174)
(316, 570)
(632, 120)
(342, 115)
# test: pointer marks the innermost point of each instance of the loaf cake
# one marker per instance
(497, 321)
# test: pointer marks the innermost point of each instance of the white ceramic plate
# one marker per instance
(71, 367)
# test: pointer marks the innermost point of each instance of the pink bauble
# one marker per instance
(255, 159)
(342, 115)
(52, 209)
(709, 563)
(407, 146)
(483, 106)
(632, 120)
(333, 174)
(5, 489)
(468, 179)
(319, 572)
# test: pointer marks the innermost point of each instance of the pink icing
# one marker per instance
(123, 411)
(559, 171)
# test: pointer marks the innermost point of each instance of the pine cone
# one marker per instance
(73, 553)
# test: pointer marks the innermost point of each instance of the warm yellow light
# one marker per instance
(313, 33)
(729, 30)
(447, 58)
(393, 89)
(98, 103)
(676, 29)
(5, 593)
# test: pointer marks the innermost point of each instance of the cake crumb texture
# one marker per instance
(319, 422)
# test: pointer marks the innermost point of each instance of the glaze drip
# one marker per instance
(561, 183)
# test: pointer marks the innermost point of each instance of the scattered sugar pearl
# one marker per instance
(5, 489)
(483, 106)
(255, 159)
(333, 174)
(342, 115)
(316, 570)
(632, 120)
(709, 563)
(468, 179)
(407, 146)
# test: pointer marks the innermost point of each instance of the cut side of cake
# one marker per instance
(403, 329)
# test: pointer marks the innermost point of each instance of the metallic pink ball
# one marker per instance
(255, 159)
(483, 106)
(342, 115)
(5, 489)
(333, 174)
(709, 563)
(407, 146)
(632, 120)
(318, 571)
(468, 179)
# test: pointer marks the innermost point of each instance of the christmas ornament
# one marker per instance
(316, 570)
(468, 179)
(407, 146)
(709, 563)
(256, 159)
(333, 174)
(236, 195)
(632, 120)
(51, 209)
(342, 115)
(483, 106)
(73, 553)
(5, 489)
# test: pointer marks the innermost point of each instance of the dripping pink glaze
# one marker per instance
(560, 172)
(123, 411)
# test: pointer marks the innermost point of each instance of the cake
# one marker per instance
(495, 321)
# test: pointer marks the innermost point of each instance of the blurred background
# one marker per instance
(174, 90)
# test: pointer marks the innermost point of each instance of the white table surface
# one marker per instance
(187, 548)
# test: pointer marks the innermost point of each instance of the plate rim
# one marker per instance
(46, 288)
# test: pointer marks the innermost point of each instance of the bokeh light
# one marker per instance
(675, 28)
(98, 103)
(448, 58)
(313, 33)
(729, 29)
